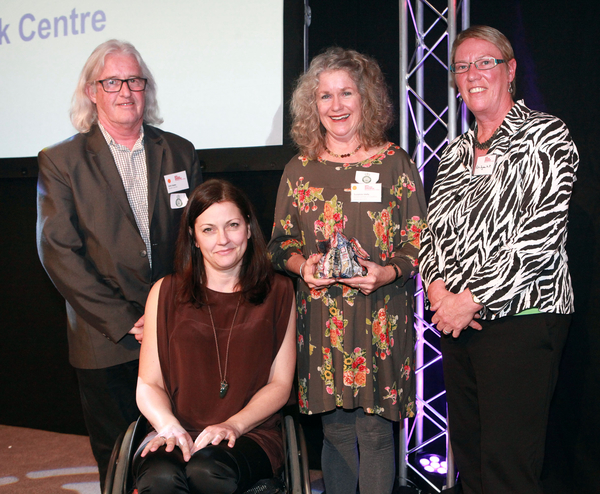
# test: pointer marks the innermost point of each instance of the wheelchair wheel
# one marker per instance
(297, 476)
(303, 462)
(121, 481)
(122, 465)
(292, 462)
(110, 473)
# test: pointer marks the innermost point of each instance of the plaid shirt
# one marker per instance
(134, 174)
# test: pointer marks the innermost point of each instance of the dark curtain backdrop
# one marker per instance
(556, 45)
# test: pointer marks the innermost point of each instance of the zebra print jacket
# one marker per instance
(503, 235)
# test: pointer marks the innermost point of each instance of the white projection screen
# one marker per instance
(218, 65)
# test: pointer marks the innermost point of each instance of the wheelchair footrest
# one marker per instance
(267, 486)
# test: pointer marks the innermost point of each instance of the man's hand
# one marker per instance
(138, 329)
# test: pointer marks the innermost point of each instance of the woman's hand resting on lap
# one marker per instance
(171, 436)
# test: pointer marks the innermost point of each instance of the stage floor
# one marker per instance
(42, 462)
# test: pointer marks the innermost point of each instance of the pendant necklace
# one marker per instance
(343, 155)
(484, 145)
(223, 373)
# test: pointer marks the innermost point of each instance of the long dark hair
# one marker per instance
(256, 273)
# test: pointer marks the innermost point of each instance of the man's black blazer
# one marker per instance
(89, 242)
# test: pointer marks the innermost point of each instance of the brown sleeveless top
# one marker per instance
(188, 358)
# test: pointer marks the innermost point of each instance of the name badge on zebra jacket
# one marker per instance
(485, 165)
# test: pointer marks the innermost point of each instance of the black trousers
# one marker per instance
(211, 470)
(108, 401)
(499, 383)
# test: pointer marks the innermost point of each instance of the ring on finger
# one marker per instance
(446, 332)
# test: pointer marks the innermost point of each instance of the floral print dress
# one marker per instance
(354, 350)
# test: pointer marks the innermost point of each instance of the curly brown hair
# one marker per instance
(377, 110)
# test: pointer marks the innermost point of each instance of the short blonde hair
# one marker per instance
(491, 35)
(377, 111)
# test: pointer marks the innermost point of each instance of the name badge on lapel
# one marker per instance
(176, 181)
(178, 201)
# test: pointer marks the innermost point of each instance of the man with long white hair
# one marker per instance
(109, 203)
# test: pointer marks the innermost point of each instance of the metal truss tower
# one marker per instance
(429, 116)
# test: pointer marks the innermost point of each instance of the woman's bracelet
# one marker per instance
(301, 267)
(397, 271)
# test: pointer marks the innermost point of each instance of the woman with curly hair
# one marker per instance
(355, 335)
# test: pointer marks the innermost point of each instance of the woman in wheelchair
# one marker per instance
(218, 355)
